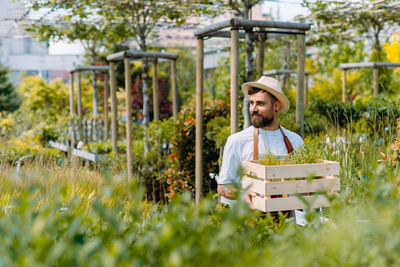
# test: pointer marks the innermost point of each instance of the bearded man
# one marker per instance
(264, 137)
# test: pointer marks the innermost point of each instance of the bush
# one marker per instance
(180, 175)
(380, 115)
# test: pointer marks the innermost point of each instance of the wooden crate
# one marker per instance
(279, 185)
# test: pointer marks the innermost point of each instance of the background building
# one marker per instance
(24, 55)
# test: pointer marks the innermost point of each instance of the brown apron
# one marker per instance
(288, 145)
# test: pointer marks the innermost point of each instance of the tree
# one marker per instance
(338, 21)
(242, 9)
(9, 100)
(75, 20)
(142, 21)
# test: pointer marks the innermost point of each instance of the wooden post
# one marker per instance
(114, 122)
(234, 79)
(106, 94)
(376, 80)
(95, 108)
(260, 55)
(344, 85)
(72, 108)
(156, 93)
(300, 82)
(80, 108)
(128, 89)
(174, 91)
(199, 120)
(306, 92)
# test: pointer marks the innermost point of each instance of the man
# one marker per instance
(264, 137)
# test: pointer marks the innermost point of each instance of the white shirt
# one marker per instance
(240, 147)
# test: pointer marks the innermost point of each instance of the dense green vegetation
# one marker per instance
(74, 215)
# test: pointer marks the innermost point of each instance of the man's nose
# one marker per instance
(252, 108)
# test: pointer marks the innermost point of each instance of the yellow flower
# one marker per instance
(393, 49)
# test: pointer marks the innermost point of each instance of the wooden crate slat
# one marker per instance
(266, 187)
(289, 203)
(326, 168)
(254, 185)
(253, 168)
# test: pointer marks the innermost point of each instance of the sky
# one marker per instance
(282, 10)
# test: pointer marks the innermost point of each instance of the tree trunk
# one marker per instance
(146, 102)
(249, 66)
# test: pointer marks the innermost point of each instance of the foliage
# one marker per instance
(185, 71)
(395, 158)
(181, 172)
(16, 148)
(9, 100)
(76, 22)
(165, 106)
(349, 20)
(7, 125)
(47, 101)
(75, 216)
(314, 123)
(46, 105)
(331, 89)
(379, 115)
(308, 153)
(329, 57)
(242, 8)
(218, 130)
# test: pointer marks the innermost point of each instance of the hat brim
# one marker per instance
(285, 104)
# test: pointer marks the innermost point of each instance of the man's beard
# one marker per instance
(259, 121)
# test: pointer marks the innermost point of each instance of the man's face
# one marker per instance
(261, 109)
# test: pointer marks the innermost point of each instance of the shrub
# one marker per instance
(180, 175)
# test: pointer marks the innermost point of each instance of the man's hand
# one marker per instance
(248, 197)
(230, 192)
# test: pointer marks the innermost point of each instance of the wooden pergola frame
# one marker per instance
(126, 57)
(278, 72)
(236, 24)
(374, 65)
(79, 70)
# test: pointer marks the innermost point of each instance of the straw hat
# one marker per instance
(270, 85)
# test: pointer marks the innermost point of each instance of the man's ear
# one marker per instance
(277, 105)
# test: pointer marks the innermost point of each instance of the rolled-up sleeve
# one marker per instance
(230, 162)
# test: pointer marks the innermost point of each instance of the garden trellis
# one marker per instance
(374, 65)
(127, 56)
(79, 70)
(275, 28)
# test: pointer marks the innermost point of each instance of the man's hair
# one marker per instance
(254, 90)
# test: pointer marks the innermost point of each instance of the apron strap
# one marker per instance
(288, 144)
(255, 153)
